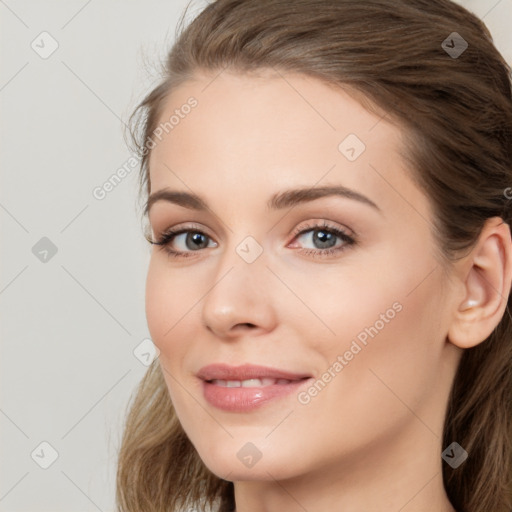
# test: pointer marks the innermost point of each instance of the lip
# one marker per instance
(222, 371)
(245, 399)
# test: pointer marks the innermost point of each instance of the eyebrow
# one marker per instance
(279, 201)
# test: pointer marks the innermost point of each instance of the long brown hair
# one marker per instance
(454, 105)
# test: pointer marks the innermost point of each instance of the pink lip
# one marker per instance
(221, 371)
(240, 399)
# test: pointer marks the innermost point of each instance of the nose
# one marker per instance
(240, 299)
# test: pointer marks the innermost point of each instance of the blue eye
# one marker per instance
(325, 236)
(195, 240)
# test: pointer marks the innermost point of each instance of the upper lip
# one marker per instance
(221, 371)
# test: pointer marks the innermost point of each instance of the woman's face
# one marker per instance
(344, 289)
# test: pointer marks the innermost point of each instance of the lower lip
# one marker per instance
(247, 399)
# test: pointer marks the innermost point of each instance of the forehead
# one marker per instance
(249, 135)
(264, 114)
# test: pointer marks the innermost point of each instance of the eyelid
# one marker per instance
(316, 223)
(346, 235)
(320, 223)
(186, 226)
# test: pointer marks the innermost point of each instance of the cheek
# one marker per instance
(391, 351)
(158, 302)
(385, 325)
(387, 377)
(166, 305)
(172, 314)
(166, 315)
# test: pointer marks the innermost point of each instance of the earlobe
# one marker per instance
(486, 281)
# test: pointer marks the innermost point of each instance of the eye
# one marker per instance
(191, 239)
(324, 236)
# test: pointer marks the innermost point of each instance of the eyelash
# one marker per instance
(171, 233)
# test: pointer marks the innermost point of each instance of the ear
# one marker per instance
(485, 280)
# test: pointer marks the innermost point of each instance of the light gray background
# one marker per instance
(70, 325)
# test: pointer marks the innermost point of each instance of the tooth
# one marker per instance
(251, 383)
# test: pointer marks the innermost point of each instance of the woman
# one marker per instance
(331, 264)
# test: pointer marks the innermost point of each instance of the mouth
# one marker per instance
(251, 383)
(247, 387)
(247, 372)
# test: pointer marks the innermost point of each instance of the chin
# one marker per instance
(245, 461)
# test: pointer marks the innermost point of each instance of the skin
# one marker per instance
(372, 438)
